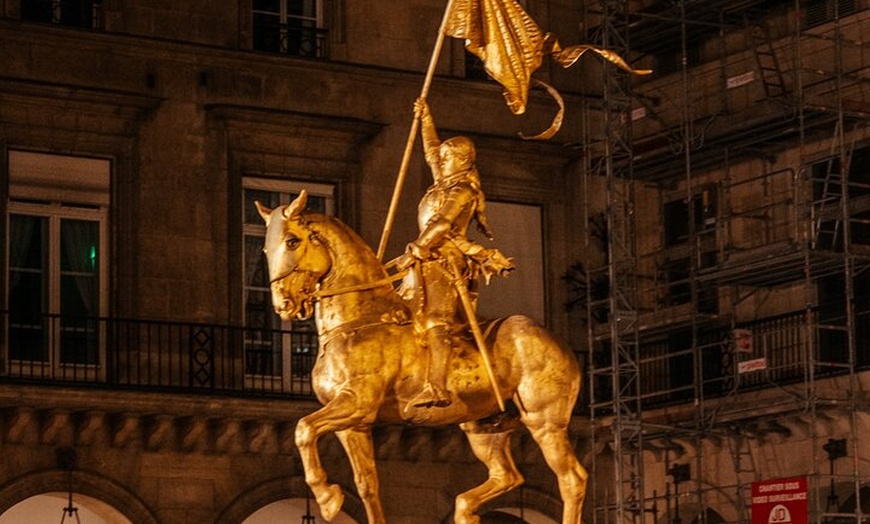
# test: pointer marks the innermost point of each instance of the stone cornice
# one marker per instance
(171, 422)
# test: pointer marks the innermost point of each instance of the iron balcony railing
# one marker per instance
(87, 14)
(171, 356)
(750, 356)
(218, 359)
(290, 39)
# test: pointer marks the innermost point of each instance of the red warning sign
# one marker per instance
(781, 501)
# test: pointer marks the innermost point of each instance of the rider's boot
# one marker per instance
(434, 392)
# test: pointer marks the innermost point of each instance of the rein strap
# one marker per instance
(359, 287)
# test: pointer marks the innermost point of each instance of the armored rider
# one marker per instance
(442, 256)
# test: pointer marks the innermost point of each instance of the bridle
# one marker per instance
(309, 280)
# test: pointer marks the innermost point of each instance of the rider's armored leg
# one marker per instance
(435, 393)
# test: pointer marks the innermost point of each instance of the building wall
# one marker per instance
(172, 94)
(209, 111)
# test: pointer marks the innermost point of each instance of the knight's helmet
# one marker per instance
(460, 147)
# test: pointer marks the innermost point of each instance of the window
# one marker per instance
(293, 27)
(274, 348)
(670, 60)
(518, 233)
(818, 12)
(75, 13)
(676, 217)
(684, 223)
(56, 259)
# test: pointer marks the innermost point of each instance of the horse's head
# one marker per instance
(296, 256)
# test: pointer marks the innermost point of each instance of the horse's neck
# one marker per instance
(354, 265)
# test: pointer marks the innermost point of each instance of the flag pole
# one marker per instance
(409, 145)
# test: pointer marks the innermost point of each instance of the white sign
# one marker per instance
(740, 80)
(757, 364)
(637, 114)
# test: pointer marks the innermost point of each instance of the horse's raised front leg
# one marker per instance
(494, 450)
(358, 445)
(344, 411)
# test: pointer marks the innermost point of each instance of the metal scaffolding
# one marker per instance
(744, 319)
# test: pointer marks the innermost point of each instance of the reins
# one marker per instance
(363, 323)
(323, 293)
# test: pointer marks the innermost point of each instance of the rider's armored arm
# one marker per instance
(429, 134)
(483, 222)
(432, 235)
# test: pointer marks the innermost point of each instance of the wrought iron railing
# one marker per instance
(136, 354)
(207, 358)
(290, 39)
(780, 350)
(87, 14)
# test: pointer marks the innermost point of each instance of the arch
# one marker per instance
(500, 517)
(48, 507)
(276, 490)
(508, 515)
(290, 510)
(547, 507)
(91, 485)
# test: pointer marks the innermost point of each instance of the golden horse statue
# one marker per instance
(369, 366)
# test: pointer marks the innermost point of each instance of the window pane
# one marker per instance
(302, 8)
(272, 199)
(315, 203)
(36, 10)
(288, 26)
(255, 263)
(79, 291)
(266, 342)
(27, 288)
(267, 33)
(301, 38)
(76, 13)
(272, 6)
(27, 242)
(79, 261)
(266, 198)
(262, 333)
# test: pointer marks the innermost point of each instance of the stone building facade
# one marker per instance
(135, 136)
(680, 214)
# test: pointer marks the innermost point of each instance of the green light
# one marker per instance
(93, 257)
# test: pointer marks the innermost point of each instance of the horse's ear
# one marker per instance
(264, 211)
(297, 205)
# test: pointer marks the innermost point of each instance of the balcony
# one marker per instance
(173, 357)
(207, 359)
(727, 361)
(290, 39)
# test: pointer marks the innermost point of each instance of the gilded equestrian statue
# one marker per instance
(369, 366)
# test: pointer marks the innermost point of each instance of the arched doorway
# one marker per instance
(49, 507)
(289, 510)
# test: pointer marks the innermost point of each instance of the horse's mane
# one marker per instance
(350, 252)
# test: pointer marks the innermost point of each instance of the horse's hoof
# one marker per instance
(330, 502)
(466, 519)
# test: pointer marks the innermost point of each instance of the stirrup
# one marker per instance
(431, 397)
